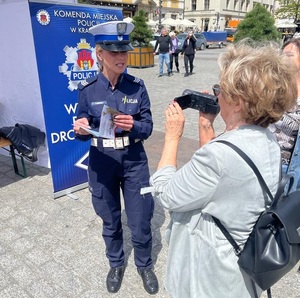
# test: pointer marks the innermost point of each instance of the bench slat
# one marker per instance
(4, 142)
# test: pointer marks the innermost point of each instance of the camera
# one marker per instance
(203, 102)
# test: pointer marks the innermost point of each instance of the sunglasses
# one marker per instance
(216, 89)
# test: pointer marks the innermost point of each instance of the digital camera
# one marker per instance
(203, 102)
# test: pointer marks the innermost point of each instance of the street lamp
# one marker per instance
(218, 20)
(159, 15)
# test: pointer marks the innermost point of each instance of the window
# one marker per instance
(235, 4)
(206, 4)
(227, 4)
(247, 4)
(194, 4)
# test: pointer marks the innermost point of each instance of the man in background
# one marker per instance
(164, 44)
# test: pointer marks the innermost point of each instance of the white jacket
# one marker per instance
(216, 181)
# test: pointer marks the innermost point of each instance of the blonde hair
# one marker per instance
(99, 49)
(261, 78)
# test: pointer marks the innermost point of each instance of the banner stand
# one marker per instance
(57, 53)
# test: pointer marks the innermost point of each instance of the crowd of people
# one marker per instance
(215, 182)
(168, 48)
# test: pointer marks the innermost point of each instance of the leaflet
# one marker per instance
(91, 131)
(107, 127)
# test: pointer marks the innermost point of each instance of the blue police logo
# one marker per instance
(80, 64)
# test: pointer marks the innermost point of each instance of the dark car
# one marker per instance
(200, 43)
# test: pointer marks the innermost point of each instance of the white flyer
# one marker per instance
(107, 127)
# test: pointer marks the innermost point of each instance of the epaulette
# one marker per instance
(134, 79)
(87, 82)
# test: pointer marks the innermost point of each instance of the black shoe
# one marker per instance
(114, 279)
(149, 280)
(191, 73)
(170, 74)
(160, 75)
(177, 69)
(186, 74)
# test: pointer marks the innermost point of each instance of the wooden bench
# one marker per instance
(6, 143)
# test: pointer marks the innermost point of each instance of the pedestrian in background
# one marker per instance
(292, 142)
(175, 51)
(164, 45)
(286, 129)
(189, 50)
(217, 181)
(119, 161)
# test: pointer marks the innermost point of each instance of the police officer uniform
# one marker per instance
(120, 162)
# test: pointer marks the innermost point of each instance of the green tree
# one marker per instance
(290, 10)
(141, 34)
(257, 25)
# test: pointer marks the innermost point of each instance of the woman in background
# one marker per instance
(286, 129)
(175, 51)
(189, 49)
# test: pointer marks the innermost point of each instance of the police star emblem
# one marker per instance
(121, 30)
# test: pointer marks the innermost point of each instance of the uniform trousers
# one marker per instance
(127, 169)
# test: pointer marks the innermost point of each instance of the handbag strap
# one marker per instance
(264, 186)
(252, 166)
(262, 182)
(285, 179)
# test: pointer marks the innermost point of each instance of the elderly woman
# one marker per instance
(175, 51)
(257, 85)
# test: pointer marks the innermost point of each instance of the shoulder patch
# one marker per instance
(134, 79)
(87, 82)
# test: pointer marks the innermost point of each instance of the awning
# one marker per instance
(285, 23)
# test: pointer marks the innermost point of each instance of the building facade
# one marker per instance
(214, 15)
(207, 15)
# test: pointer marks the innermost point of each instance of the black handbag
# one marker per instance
(273, 247)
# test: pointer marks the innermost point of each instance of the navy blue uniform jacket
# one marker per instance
(129, 97)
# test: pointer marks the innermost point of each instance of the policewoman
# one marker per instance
(119, 162)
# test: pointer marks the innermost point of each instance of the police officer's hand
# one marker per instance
(82, 122)
(125, 122)
(174, 121)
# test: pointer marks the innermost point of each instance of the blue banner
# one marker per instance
(65, 56)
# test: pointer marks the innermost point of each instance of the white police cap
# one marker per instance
(113, 36)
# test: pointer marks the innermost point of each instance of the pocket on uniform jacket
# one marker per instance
(96, 108)
(131, 107)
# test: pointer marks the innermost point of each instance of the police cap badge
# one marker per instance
(113, 36)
